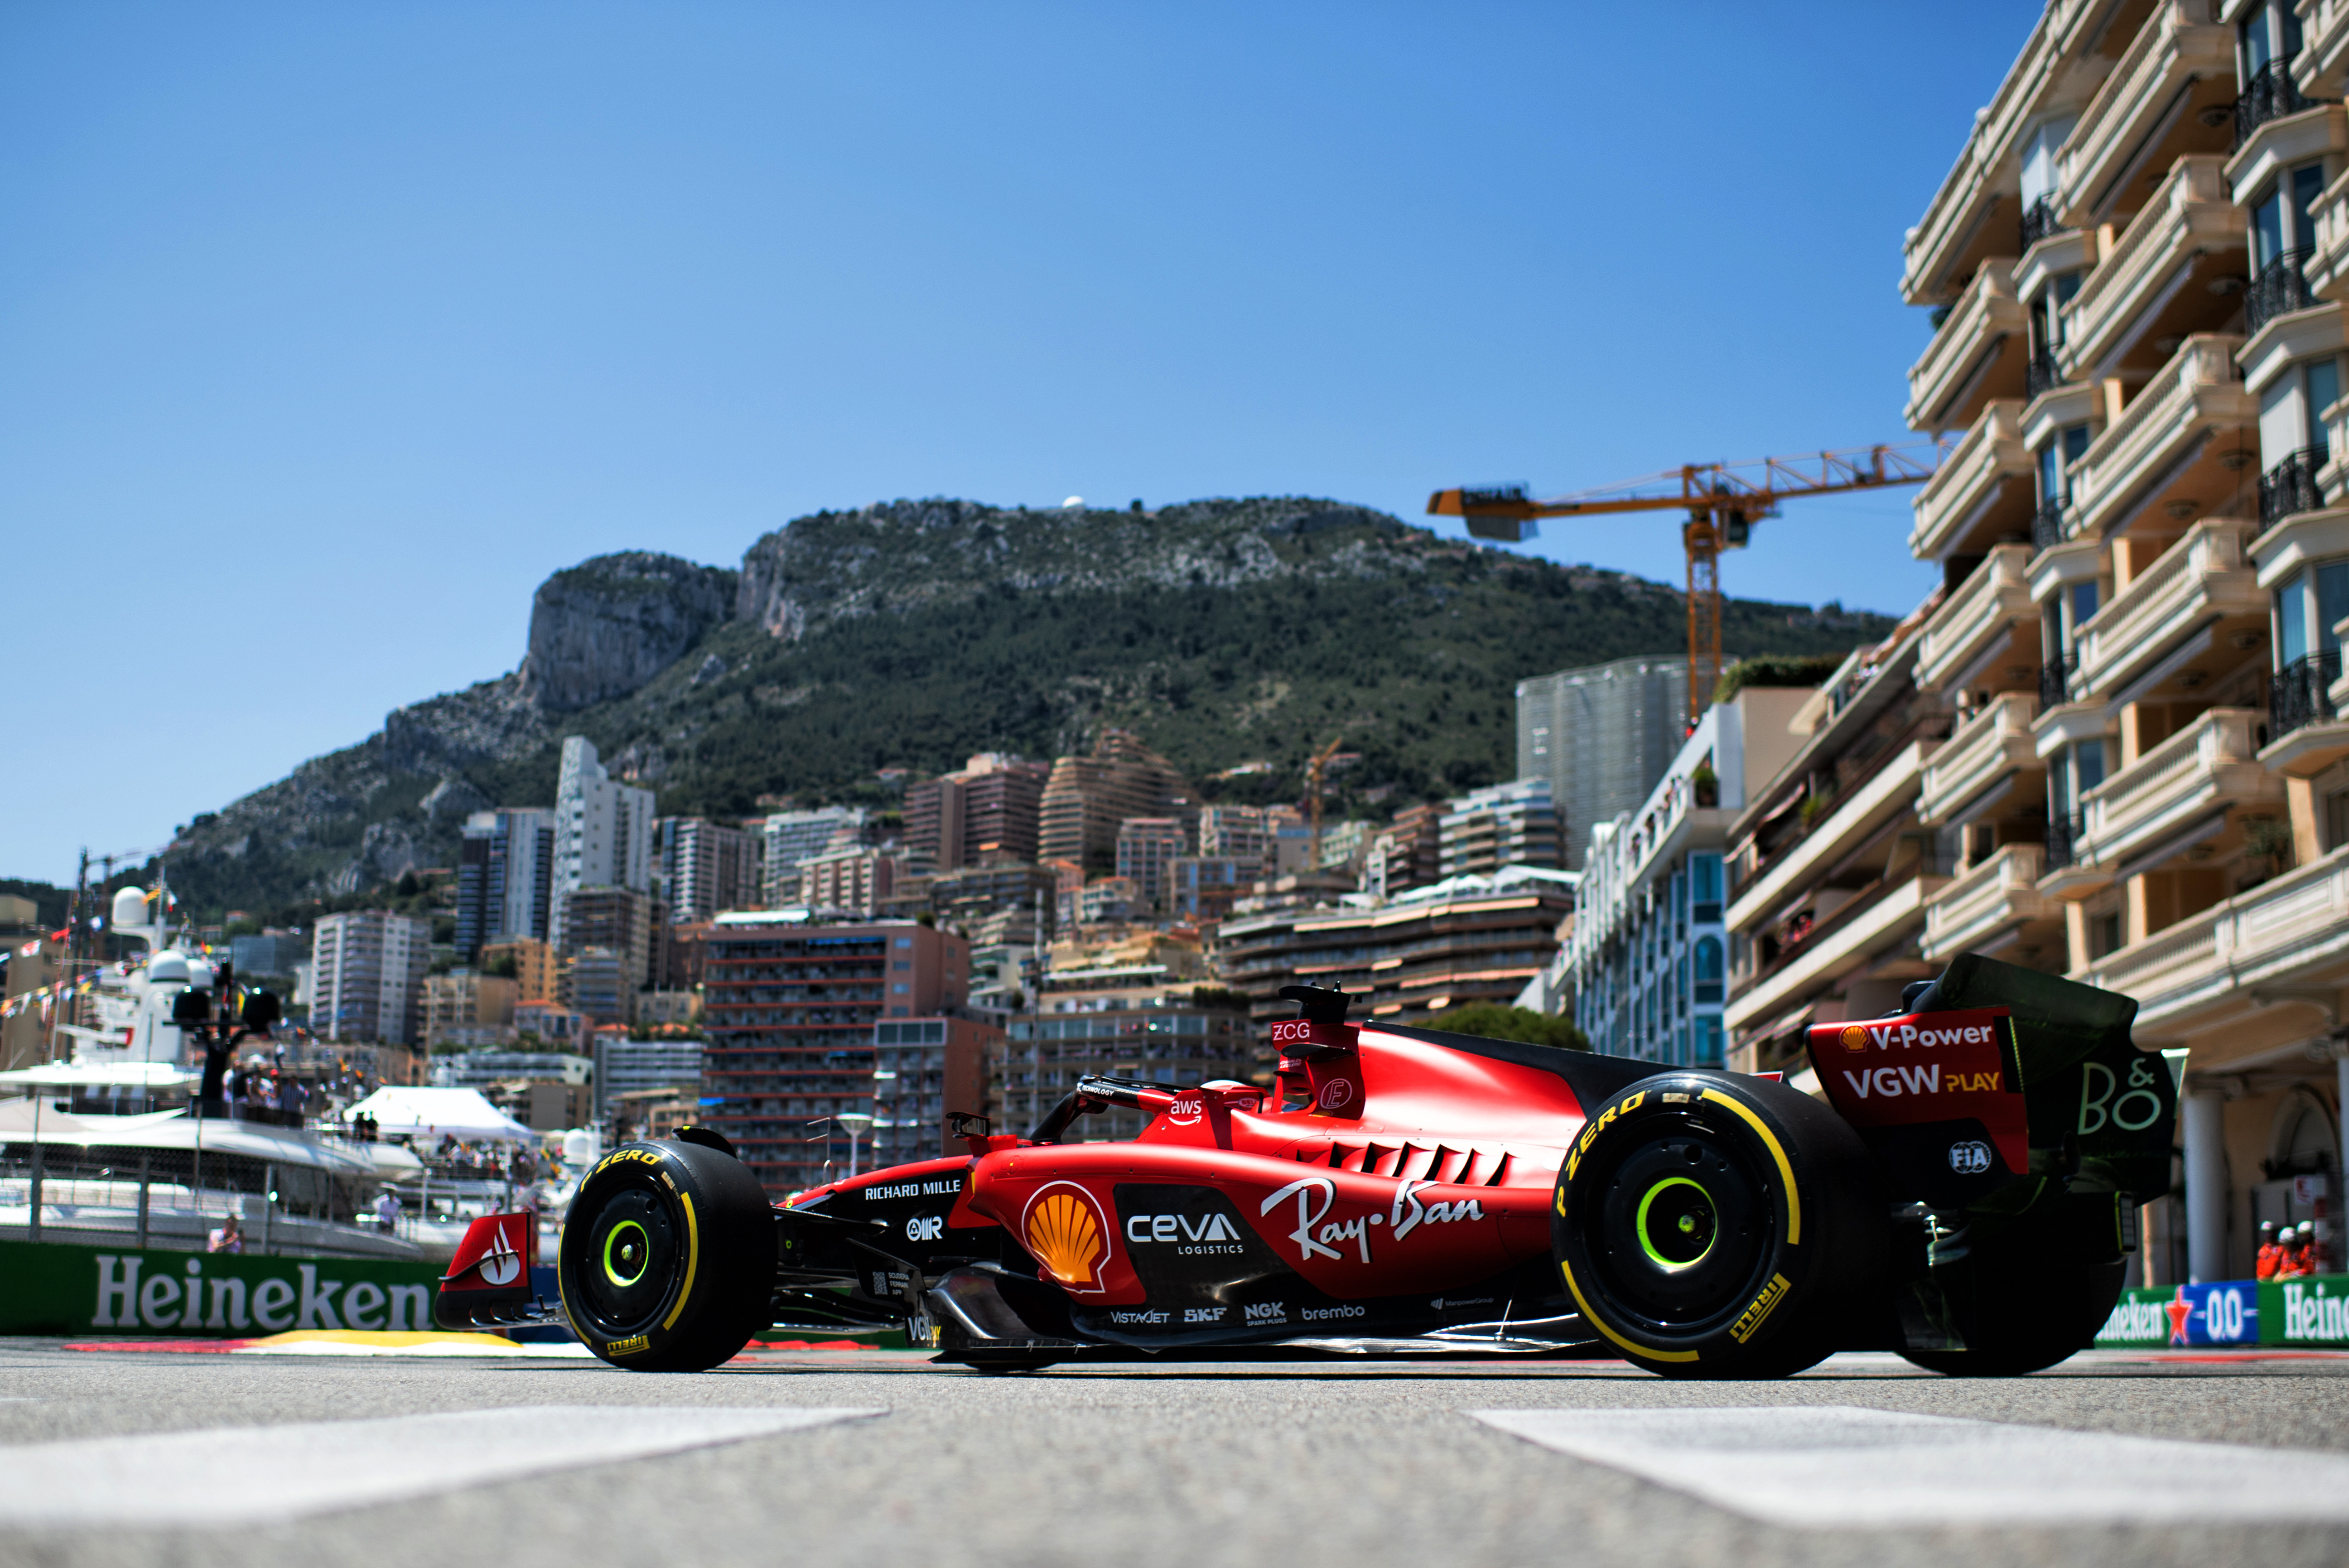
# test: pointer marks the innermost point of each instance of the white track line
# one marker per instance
(1840, 1465)
(235, 1475)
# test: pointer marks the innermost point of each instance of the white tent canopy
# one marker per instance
(432, 1113)
(146, 1076)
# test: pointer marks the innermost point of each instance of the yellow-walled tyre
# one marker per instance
(667, 1260)
(1714, 1225)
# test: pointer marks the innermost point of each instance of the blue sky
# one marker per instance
(327, 332)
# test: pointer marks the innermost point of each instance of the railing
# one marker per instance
(2055, 683)
(2216, 737)
(2193, 208)
(2199, 384)
(2280, 288)
(2041, 374)
(2039, 221)
(2270, 95)
(2047, 525)
(2298, 694)
(2062, 839)
(2233, 944)
(2290, 487)
(2207, 562)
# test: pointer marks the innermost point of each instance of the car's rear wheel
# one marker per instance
(667, 1259)
(2034, 1294)
(1712, 1226)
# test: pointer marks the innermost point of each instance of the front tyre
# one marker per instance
(1717, 1226)
(668, 1258)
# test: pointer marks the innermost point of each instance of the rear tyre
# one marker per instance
(1717, 1226)
(667, 1259)
(2035, 1294)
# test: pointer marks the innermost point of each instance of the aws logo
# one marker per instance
(1064, 1227)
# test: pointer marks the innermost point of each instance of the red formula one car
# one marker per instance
(1965, 1194)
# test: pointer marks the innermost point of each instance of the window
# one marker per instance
(2268, 34)
(2084, 603)
(2055, 461)
(2292, 416)
(1709, 968)
(1708, 1040)
(2306, 620)
(1704, 889)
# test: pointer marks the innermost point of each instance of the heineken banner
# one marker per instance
(51, 1288)
(2225, 1312)
(2311, 1310)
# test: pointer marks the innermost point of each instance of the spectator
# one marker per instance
(2298, 1255)
(386, 1211)
(2271, 1254)
(229, 1238)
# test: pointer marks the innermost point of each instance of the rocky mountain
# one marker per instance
(910, 634)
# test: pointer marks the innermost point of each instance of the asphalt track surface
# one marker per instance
(267, 1461)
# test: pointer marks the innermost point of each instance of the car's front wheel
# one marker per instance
(667, 1259)
(1715, 1226)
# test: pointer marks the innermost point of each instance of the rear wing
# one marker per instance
(1997, 1073)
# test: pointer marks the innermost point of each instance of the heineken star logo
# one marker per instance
(2179, 1310)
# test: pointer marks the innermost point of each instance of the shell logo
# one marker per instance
(1064, 1229)
(1853, 1038)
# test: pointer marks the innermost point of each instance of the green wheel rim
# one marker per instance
(1687, 1224)
(642, 1247)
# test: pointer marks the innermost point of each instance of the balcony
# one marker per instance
(2149, 109)
(2157, 282)
(1875, 922)
(2293, 931)
(2281, 288)
(2055, 683)
(2163, 447)
(2278, 143)
(2304, 716)
(2039, 221)
(2178, 793)
(2201, 589)
(1978, 355)
(2290, 487)
(2047, 525)
(1987, 905)
(1871, 804)
(2270, 95)
(1982, 491)
(1958, 230)
(2327, 266)
(2324, 54)
(1983, 766)
(1983, 623)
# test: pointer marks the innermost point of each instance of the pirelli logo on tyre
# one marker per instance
(1751, 1318)
(1591, 1129)
(628, 1347)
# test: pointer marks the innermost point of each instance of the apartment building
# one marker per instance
(991, 808)
(603, 833)
(368, 976)
(1086, 798)
(531, 962)
(2136, 269)
(1146, 846)
(1464, 940)
(466, 1008)
(505, 879)
(624, 921)
(1601, 735)
(1646, 970)
(788, 1010)
(1164, 1037)
(705, 868)
(923, 1070)
(1507, 824)
(851, 879)
(1405, 854)
(624, 1066)
(793, 837)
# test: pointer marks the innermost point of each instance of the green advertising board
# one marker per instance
(51, 1288)
(2311, 1310)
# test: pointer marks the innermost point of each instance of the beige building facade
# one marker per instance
(2128, 760)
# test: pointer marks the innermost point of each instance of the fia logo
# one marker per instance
(926, 1227)
(1969, 1157)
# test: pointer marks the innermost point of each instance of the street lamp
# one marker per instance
(855, 1122)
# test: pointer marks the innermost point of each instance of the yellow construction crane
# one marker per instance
(1722, 500)
(1314, 769)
